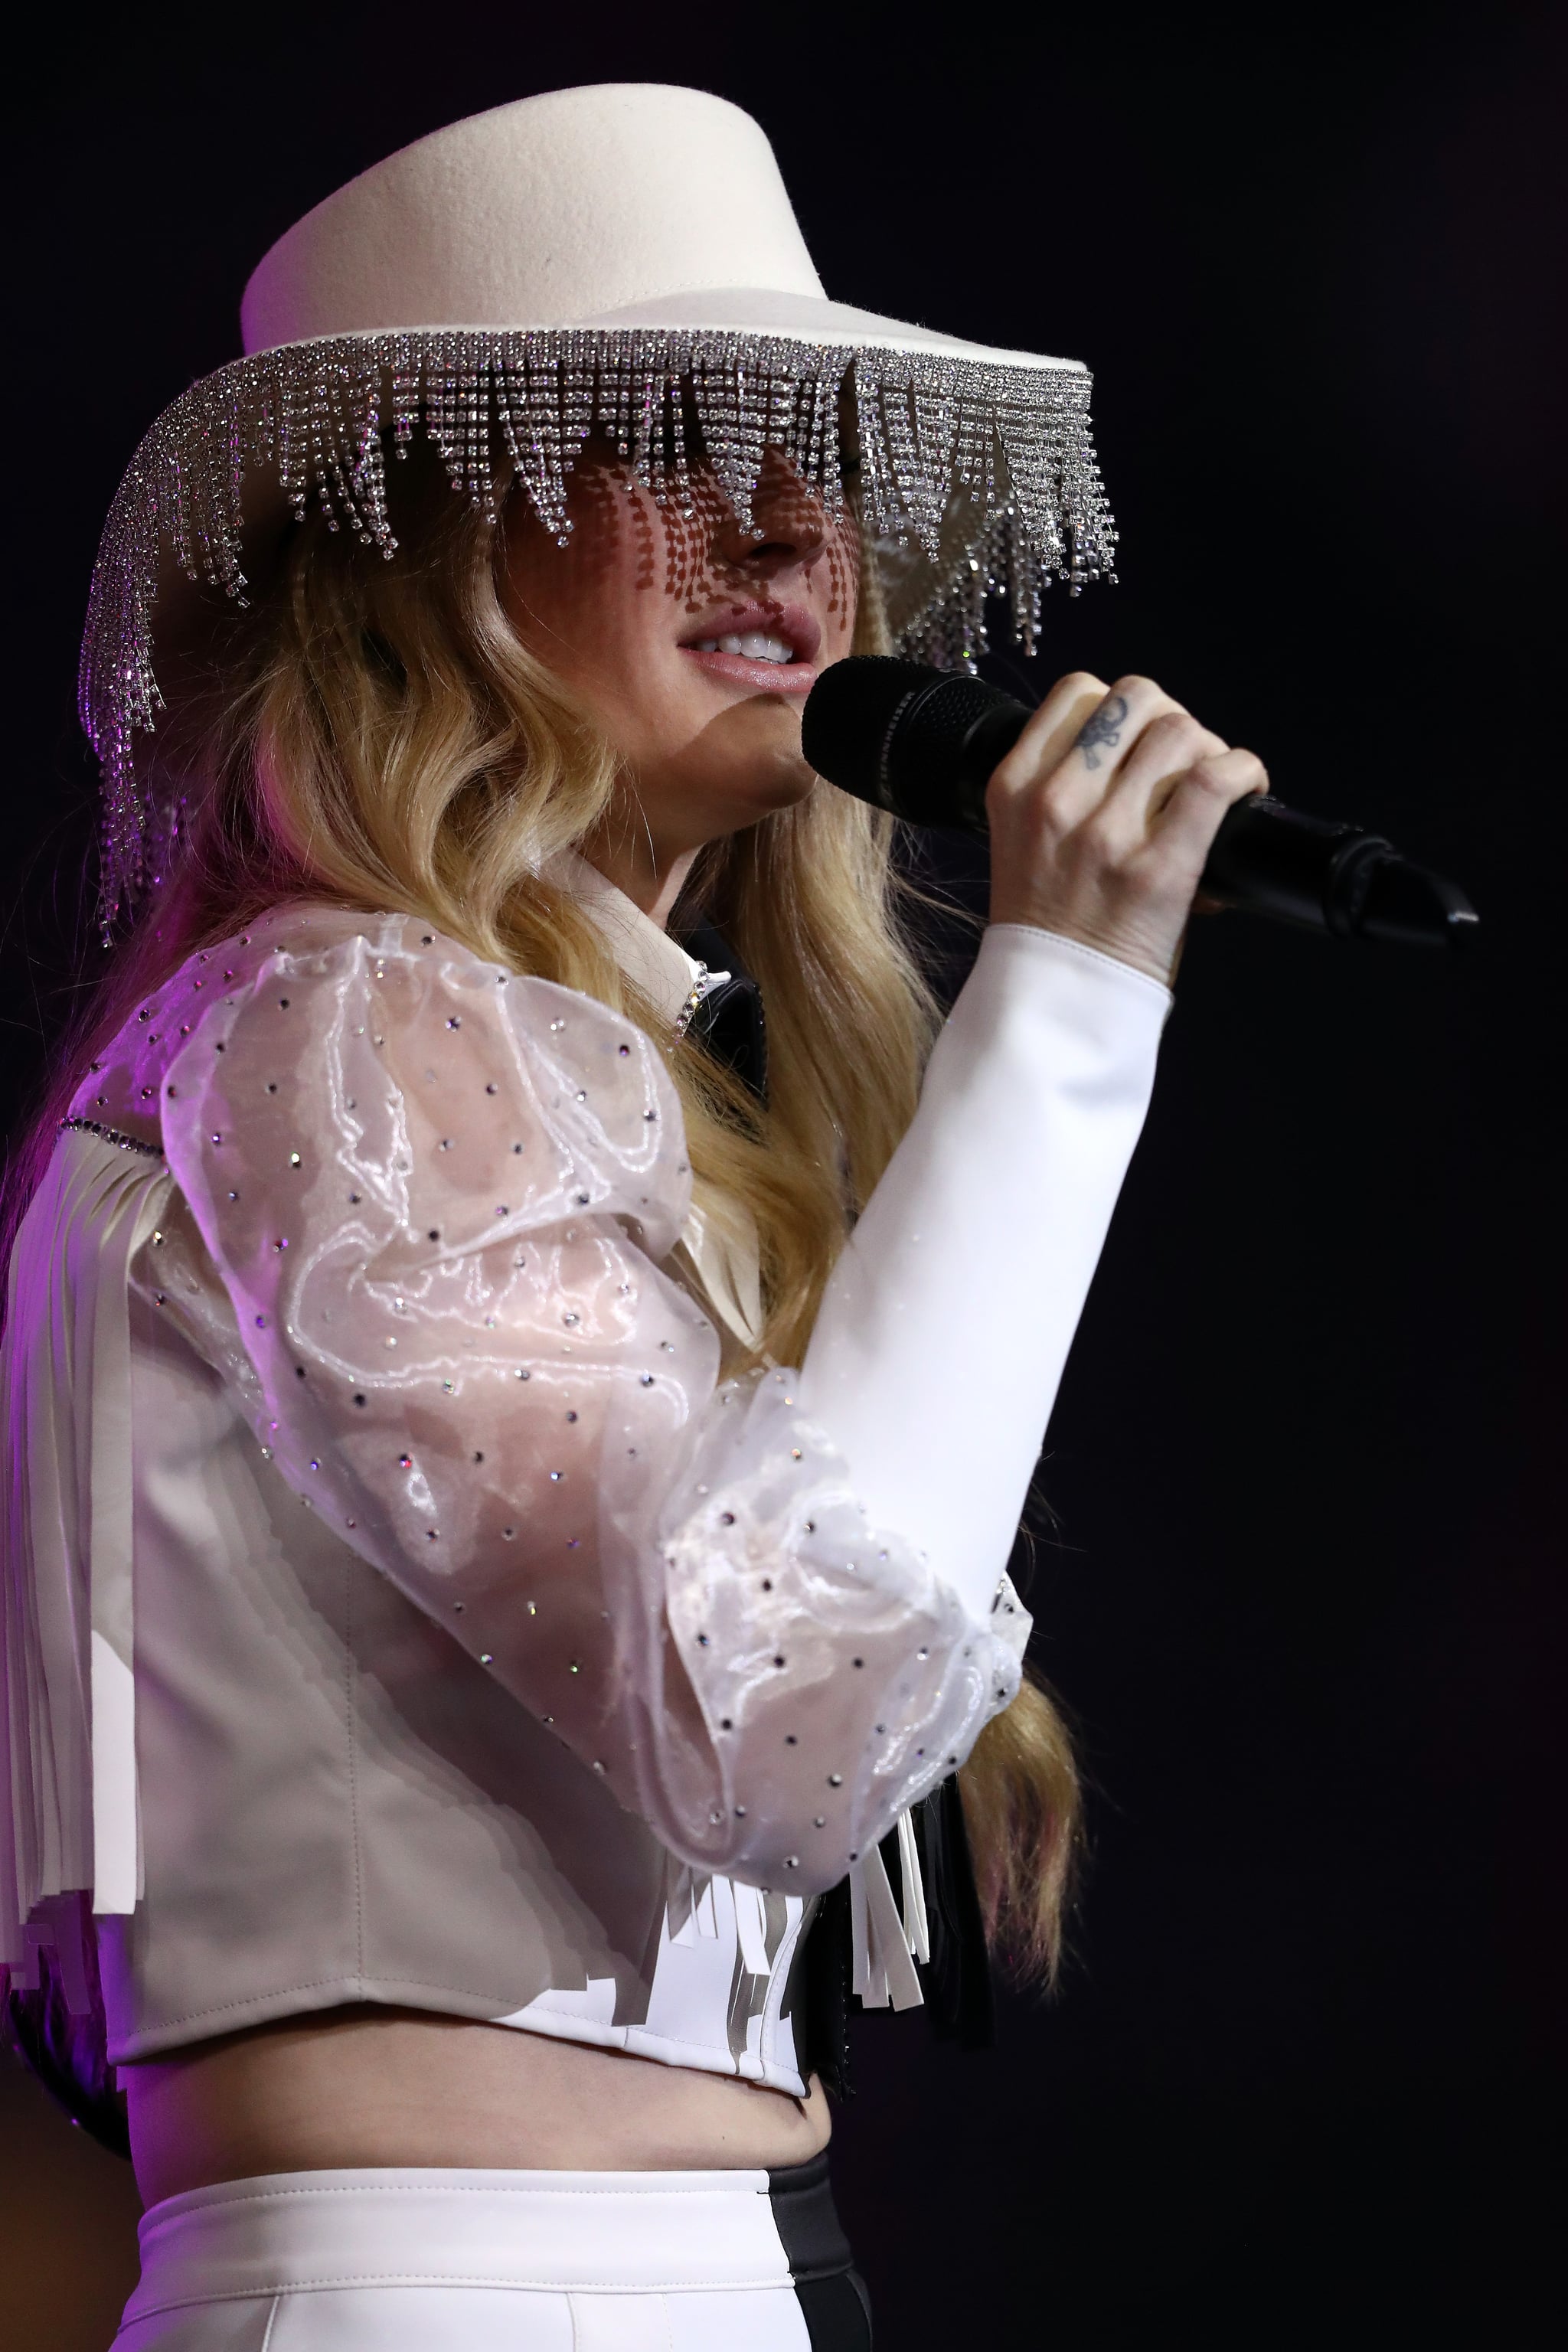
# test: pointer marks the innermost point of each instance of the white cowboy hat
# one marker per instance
(572, 260)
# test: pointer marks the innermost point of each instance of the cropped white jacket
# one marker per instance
(398, 1606)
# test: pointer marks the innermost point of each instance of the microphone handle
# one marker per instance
(1267, 858)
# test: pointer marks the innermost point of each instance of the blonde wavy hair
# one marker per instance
(378, 735)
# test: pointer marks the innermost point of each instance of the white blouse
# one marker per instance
(403, 1285)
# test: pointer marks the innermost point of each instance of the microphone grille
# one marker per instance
(902, 735)
(849, 716)
(924, 760)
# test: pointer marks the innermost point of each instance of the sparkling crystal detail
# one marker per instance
(978, 481)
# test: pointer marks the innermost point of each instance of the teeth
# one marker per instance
(753, 646)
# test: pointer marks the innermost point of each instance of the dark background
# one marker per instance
(1303, 1592)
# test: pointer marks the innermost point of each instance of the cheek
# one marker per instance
(682, 563)
(574, 604)
(622, 584)
(622, 663)
(843, 559)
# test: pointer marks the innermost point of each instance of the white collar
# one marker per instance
(649, 958)
(726, 1266)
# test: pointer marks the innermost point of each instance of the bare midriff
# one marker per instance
(365, 2086)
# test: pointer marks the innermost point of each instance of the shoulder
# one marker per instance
(121, 1084)
(318, 980)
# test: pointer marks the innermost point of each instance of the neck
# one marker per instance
(652, 879)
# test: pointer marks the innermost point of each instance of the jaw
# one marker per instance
(742, 765)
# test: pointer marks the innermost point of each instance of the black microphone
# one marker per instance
(924, 744)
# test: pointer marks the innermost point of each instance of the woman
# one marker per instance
(567, 1437)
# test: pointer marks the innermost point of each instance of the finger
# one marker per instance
(1112, 745)
(1048, 732)
(1074, 742)
(1198, 803)
(1171, 742)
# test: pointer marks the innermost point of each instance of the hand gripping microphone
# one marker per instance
(923, 743)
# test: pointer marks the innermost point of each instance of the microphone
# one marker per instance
(923, 743)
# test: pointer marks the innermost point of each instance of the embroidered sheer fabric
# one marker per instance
(422, 1211)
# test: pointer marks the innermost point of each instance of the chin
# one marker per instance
(748, 799)
(783, 779)
(755, 756)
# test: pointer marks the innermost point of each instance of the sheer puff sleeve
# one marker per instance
(437, 1196)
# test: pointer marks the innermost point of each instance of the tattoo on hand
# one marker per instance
(1104, 726)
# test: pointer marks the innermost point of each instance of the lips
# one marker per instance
(768, 649)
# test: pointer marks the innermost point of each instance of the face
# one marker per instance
(693, 644)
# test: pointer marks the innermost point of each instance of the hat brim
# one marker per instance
(802, 317)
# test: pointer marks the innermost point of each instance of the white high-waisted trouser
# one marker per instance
(395, 2261)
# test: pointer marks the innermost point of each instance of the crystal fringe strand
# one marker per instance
(977, 481)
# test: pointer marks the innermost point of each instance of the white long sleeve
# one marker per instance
(941, 1344)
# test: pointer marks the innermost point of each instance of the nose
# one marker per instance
(788, 515)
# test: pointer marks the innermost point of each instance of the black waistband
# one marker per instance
(808, 2225)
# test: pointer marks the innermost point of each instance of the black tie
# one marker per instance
(729, 1019)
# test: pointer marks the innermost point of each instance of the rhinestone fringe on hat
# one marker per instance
(988, 471)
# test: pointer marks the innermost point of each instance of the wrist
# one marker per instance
(1137, 959)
